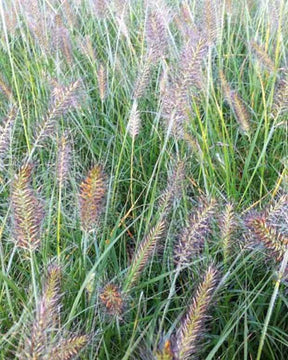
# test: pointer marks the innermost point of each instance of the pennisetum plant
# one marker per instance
(46, 340)
(91, 196)
(236, 104)
(227, 226)
(185, 344)
(63, 98)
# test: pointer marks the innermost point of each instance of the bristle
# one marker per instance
(112, 299)
(92, 192)
(145, 250)
(142, 79)
(63, 159)
(175, 108)
(5, 133)
(262, 56)
(27, 211)
(62, 39)
(173, 188)
(236, 104)
(63, 98)
(266, 234)
(211, 24)
(134, 121)
(67, 349)
(191, 61)
(280, 102)
(191, 330)
(102, 82)
(46, 314)
(156, 34)
(227, 227)
(192, 239)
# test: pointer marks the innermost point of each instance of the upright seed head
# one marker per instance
(92, 192)
(27, 211)
(5, 133)
(102, 82)
(262, 56)
(191, 329)
(63, 158)
(134, 121)
(192, 239)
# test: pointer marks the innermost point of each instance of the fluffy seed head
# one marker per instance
(192, 239)
(262, 56)
(102, 82)
(134, 121)
(63, 158)
(67, 349)
(112, 299)
(5, 133)
(192, 326)
(92, 192)
(27, 211)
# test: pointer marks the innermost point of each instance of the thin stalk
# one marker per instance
(59, 221)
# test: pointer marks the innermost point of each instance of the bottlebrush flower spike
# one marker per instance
(156, 34)
(174, 187)
(27, 211)
(266, 234)
(280, 102)
(262, 56)
(143, 79)
(92, 192)
(192, 239)
(144, 252)
(191, 330)
(112, 299)
(63, 158)
(191, 61)
(68, 349)
(100, 8)
(134, 121)
(5, 133)
(63, 98)
(102, 82)
(227, 226)
(236, 104)
(211, 21)
(62, 39)
(46, 315)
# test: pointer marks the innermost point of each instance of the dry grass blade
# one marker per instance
(92, 192)
(144, 252)
(192, 327)
(68, 349)
(27, 211)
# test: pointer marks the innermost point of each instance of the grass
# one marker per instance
(143, 179)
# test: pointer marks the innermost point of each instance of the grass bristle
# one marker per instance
(191, 330)
(27, 211)
(92, 192)
(144, 252)
(266, 234)
(192, 238)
